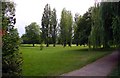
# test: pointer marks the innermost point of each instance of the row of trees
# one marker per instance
(105, 25)
(98, 27)
(50, 31)
(49, 23)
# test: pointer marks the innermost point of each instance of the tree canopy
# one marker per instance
(66, 22)
(32, 34)
(97, 27)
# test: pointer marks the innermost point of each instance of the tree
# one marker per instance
(32, 34)
(63, 28)
(24, 39)
(116, 23)
(83, 28)
(59, 39)
(54, 24)
(76, 35)
(106, 19)
(66, 27)
(11, 57)
(46, 24)
(116, 31)
(69, 26)
(96, 30)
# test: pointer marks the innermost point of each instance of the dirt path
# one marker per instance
(101, 67)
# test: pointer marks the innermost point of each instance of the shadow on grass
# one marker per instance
(28, 46)
(98, 49)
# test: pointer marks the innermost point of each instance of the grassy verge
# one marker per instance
(53, 61)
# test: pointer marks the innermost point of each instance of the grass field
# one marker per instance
(53, 61)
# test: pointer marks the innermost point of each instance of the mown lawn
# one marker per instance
(54, 61)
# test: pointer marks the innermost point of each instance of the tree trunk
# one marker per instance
(105, 44)
(47, 45)
(84, 45)
(64, 44)
(54, 45)
(69, 44)
(76, 44)
(33, 45)
(54, 41)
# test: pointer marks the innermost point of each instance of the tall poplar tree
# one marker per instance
(54, 26)
(66, 27)
(46, 18)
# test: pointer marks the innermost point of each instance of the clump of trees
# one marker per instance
(11, 56)
(49, 26)
(105, 17)
(97, 28)
(83, 28)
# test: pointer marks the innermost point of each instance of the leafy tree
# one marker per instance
(96, 31)
(66, 27)
(46, 24)
(83, 28)
(106, 19)
(24, 39)
(63, 27)
(54, 26)
(116, 31)
(32, 35)
(116, 23)
(11, 57)
(59, 39)
(70, 26)
(76, 35)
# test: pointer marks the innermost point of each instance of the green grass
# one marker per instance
(53, 61)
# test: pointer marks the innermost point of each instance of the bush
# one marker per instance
(11, 57)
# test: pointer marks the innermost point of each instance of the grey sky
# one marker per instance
(28, 11)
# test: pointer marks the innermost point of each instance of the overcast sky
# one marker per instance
(28, 11)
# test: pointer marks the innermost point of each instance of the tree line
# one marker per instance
(98, 27)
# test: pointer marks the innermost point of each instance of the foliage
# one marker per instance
(46, 24)
(116, 31)
(82, 31)
(105, 25)
(95, 36)
(53, 27)
(11, 56)
(66, 27)
(75, 29)
(49, 26)
(32, 34)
